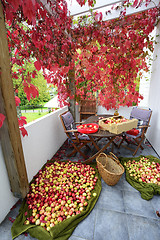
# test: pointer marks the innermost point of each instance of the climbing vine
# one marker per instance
(107, 56)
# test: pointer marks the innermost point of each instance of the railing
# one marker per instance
(45, 137)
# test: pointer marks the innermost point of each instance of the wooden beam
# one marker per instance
(129, 11)
(9, 133)
(75, 9)
(71, 77)
(103, 5)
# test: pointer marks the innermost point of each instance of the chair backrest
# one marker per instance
(67, 122)
(88, 106)
(143, 116)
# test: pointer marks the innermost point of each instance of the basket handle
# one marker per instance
(114, 157)
(100, 162)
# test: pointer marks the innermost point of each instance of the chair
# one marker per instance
(77, 139)
(87, 108)
(143, 116)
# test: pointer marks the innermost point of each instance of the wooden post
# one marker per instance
(9, 133)
(71, 76)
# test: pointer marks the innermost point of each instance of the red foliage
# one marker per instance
(22, 121)
(37, 65)
(112, 53)
(2, 118)
(23, 131)
(112, 58)
(17, 100)
(30, 90)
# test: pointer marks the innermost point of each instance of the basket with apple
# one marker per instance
(117, 124)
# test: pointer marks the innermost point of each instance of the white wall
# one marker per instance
(144, 89)
(153, 133)
(123, 111)
(145, 80)
(7, 200)
(45, 137)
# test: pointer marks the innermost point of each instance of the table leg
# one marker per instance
(92, 140)
(100, 150)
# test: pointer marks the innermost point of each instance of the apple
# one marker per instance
(59, 191)
(143, 170)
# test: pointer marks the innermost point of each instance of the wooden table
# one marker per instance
(98, 135)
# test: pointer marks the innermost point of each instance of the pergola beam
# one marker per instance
(130, 10)
(101, 6)
(75, 9)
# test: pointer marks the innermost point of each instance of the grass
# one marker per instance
(31, 108)
(31, 116)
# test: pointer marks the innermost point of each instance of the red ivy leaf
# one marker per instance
(29, 10)
(34, 91)
(14, 4)
(23, 131)
(27, 92)
(37, 65)
(11, 219)
(31, 91)
(17, 100)
(22, 121)
(2, 117)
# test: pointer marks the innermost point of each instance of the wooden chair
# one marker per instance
(77, 139)
(143, 116)
(87, 108)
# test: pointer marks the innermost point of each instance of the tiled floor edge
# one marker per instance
(151, 218)
(95, 222)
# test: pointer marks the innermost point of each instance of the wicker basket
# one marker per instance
(119, 127)
(109, 168)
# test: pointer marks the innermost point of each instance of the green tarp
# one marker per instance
(61, 231)
(147, 190)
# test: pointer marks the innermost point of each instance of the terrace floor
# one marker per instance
(119, 214)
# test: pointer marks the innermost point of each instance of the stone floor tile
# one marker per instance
(5, 230)
(155, 202)
(85, 229)
(134, 204)
(110, 225)
(111, 199)
(143, 228)
(76, 238)
(5, 235)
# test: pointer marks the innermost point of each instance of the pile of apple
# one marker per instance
(59, 191)
(115, 120)
(144, 170)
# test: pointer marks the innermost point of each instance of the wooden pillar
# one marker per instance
(9, 133)
(71, 76)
